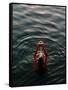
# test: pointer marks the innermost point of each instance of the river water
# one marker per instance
(30, 24)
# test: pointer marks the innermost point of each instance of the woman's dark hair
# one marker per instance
(40, 61)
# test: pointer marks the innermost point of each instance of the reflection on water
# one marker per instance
(30, 24)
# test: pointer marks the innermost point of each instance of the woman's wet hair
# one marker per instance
(40, 61)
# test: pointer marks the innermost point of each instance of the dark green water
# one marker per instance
(31, 23)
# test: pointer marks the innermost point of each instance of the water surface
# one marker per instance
(30, 24)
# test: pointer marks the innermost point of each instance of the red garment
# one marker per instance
(40, 52)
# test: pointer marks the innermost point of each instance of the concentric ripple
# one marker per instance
(30, 24)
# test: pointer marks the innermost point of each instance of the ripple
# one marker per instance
(30, 24)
